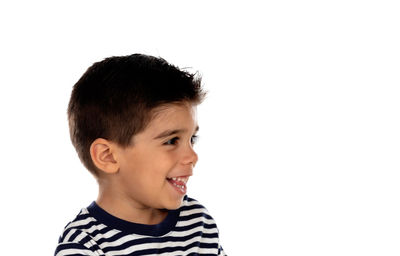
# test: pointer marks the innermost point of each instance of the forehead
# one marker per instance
(173, 116)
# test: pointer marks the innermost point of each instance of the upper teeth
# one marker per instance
(184, 180)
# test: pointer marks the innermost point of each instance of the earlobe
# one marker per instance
(102, 153)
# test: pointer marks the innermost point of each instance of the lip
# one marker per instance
(179, 184)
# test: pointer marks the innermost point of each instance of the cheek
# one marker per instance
(157, 166)
(164, 162)
(154, 165)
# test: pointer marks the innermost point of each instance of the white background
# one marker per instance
(300, 145)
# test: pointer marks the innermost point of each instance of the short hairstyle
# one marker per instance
(115, 97)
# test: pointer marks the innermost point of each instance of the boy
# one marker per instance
(133, 123)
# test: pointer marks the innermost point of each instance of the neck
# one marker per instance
(120, 206)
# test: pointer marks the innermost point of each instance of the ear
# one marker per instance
(102, 152)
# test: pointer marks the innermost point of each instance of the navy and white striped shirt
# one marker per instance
(189, 230)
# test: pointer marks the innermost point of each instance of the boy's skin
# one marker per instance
(134, 182)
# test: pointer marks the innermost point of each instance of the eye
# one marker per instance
(194, 139)
(172, 141)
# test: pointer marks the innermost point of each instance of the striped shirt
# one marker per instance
(189, 230)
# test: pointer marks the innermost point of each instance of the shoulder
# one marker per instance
(74, 230)
(194, 219)
(189, 203)
(193, 211)
(76, 237)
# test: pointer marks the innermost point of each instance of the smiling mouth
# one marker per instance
(179, 183)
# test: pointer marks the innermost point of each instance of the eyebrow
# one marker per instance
(168, 133)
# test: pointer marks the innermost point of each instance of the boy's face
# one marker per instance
(154, 170)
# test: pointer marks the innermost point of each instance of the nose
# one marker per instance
(190, 156)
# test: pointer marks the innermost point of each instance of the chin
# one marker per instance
(174, 204)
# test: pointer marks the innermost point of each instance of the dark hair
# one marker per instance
(114, 99)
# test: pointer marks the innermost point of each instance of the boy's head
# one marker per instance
(117, 98)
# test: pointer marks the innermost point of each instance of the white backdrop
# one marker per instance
(300, 145)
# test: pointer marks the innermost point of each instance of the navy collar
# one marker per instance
(142, 229)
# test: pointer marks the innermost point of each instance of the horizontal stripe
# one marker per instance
(196, 219)
(145, 249)
(73, 252)
(81, 222)
(192, 211)
(125, 243)
(70, 248)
